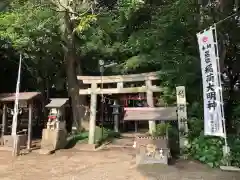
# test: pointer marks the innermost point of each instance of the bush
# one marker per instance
(208, 149)
(162, 129)
(234, 144)
(195, 110)
(195, 127)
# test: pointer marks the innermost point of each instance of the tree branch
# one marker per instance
(64, 11)
(70, 10)
(59, 2)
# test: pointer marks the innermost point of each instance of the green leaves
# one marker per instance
(25, 24)
(85, 22)
(162, 129)
(30, 30)
(234, 144)
(207, 150)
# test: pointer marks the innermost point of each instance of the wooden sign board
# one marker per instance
(150, 114)
(182, 108)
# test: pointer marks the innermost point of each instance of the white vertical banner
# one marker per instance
(212, 93)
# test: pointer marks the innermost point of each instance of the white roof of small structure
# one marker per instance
(57, 102)
(152, 114)
(23, 96)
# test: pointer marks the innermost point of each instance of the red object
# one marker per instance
(205, 39)
(52, 117)
(126, 98)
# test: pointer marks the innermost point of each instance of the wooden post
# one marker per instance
(116, 114)
(29, 142)
(136, 126)
(116, 123)
(16, 146)
(152, 124)
(93, 107)
(120, 85)
(182, 114)
(4, 120)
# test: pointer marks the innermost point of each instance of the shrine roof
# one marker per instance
(23, 96)
(57, 102)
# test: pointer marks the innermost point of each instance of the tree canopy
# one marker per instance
(60, 39)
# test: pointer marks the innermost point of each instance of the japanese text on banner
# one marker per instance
(213, 124)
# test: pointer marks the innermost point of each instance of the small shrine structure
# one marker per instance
(54, 136)
(27, 101)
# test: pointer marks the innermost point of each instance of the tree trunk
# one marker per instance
(73, 89)
(71, 71)
(84, 110)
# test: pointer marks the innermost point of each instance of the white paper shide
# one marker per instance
(213, 106)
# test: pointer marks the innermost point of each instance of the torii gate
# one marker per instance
(148, 88)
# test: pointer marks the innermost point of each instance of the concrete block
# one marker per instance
(143, 157)
(53, 139)
(8, 140)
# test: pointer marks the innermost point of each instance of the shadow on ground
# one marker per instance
(185, 170)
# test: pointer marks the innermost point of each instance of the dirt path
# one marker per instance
(114, 164)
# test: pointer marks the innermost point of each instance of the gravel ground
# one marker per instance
(114, 164)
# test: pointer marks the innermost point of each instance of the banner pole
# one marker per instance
(15, 115)
(226, 149)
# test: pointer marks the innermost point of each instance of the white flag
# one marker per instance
(212, 93)
(15, 115)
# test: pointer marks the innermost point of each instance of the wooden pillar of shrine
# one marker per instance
(152, 124)
(29, 142)
(4, 120)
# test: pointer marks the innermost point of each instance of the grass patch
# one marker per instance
(77, 138)
(108, 135)
(100, 137)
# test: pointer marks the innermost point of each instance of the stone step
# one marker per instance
(230, 168)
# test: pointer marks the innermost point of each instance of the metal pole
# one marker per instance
(16, 149)
(226, 150)
(219, 22)
(14, 122)
(101, 68)
(223, 20)
(102, 104)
